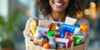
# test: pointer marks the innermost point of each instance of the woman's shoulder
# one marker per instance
(83, 21)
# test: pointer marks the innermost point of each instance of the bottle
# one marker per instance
(47, 46)
(37, 35)
(57, 33)
(52, 39)
(83, 31)
(66, 35)
(43, 40)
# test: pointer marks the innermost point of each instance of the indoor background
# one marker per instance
(14, 14)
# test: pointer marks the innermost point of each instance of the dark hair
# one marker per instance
(74, 7)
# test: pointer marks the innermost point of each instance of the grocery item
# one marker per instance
(83, 31)
(31, 35)
(53, 26)
(37, 35)
(43, 40)
(70, 21)
(66, 28)
(70, 42)
(77, 40)
(45, 33)
(52, 39)
(57, 30)
(33, 27)
(66, 35)
(77, 31)
(62, 43)
(47, 46)
(42, 30)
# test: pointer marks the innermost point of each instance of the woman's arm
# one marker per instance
(26, 31)
(85, 22)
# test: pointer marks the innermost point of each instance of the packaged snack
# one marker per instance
(62, 43)
(37, 35)
(47, 46)
(33, 27)
(53, 26)
(77, 40)
(42, 30)
(52, 39)
(43, 40)
(70, 21)
(66, 28)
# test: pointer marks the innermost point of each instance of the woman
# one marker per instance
(57, 10)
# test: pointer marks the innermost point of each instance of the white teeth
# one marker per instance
(59, 3)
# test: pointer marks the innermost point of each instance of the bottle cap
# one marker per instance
(43, 36)
(84, 28)
(58, 24)
(30, 31)
(45, 32)
(66, 33)
(51, 33)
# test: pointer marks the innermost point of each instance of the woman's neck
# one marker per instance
(58, 16)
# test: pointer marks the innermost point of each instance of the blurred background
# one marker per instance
(14, 14)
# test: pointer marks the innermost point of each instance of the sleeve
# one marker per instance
(85, 22)
(26, 31)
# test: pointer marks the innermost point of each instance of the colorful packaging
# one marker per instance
(70, 21)
(37, 35)
(62, 43)
(42, 30)
(66, 28)
(70, 42)
(77, 40)
(33, 27)
(53, 26)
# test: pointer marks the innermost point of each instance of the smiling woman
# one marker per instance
(57, 10)
(69, 6)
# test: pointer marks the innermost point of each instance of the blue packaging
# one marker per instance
(77, 25)
(66, 28)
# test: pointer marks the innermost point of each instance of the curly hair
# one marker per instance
(74, 7)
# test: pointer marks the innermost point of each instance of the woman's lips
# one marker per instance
(58, 5)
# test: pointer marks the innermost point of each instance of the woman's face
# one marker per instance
(59, 5)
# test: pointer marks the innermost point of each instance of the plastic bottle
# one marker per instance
(66, 35)
(57, 33)
(43, 40)
(52, 39)
(83, 31)
(37, 35)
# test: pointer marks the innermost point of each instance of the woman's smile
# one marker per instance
(59, 5)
